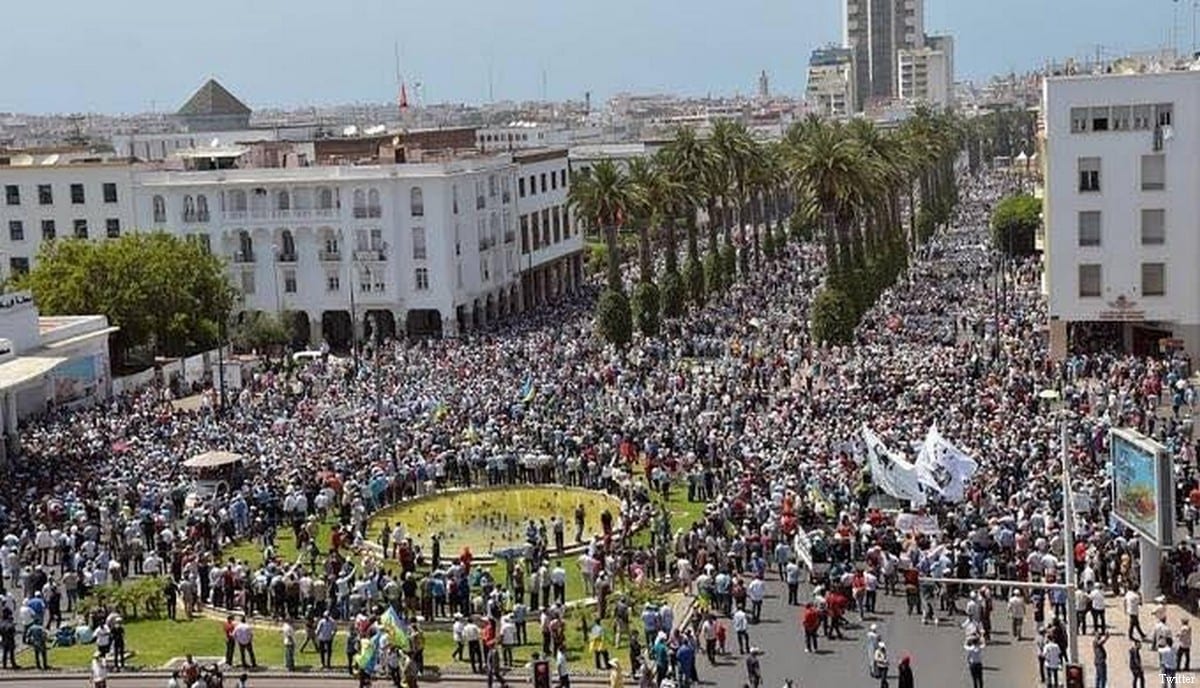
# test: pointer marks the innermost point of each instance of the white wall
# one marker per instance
(1121, 199)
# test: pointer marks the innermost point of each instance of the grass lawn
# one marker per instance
(154, 643)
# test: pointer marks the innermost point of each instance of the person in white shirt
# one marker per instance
(1052, 659)
(1183, 650)
(741, 627)
(1096, 602)
(99, 671)
(756, 592)
(289, 645)
(1168, 663)
(1016, 612)
(1133, 606)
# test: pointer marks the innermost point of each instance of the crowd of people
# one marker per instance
(735, 401)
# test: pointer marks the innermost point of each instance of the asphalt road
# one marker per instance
(937, 652)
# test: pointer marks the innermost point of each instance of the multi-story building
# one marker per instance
(1122, 216)
(59, 193)
(831, 90)
(422, 247)
(926, 74)
(876, 30)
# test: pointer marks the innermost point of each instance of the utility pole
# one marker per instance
(1069, 545)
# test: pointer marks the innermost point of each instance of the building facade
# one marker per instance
(418, 248)
(1121, 212)
(876, 30)
(831, 90)
(926, 74)
(46, 197)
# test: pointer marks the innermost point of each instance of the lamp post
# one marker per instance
(1063, 416)
(276, 255)
(353, 306)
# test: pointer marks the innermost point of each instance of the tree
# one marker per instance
(1015, 221)
(259, 331)
(833, 317)
(601, 196)
(167, 294)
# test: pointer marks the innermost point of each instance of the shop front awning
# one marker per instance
(21, 371)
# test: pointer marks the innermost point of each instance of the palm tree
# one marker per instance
(601, 197)
(687, 160)
(646, 185)
(831, 165)
(734, 153)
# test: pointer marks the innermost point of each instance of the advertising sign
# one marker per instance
(1142, 490)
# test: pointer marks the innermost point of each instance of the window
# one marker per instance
(1099, 119)
(1154, 279)
(483, 270)
(1162, 114)
(480, 201)
(1141, 116)
(557, 225)
(562, 177)
(524, 234)
(1089, 174)
(12, 194)
(16, 230)
(535, 231)
(333, 281)
(77, 197)
(532, 184)
(546, 226)
(18, 265)
(287, 248)
(454, 198)
(1089, 281)
(283, 200)
(325, 199)
(45, 195)
(1121, 115)
(491, 186)
(416, 201)
(374, 209)
(377, 240)
(422, 279)
(247, 281)
(112, 228)
(418, 241)
(360, 204)
(1154, 227)
(201, 208)
(1089, 228)
(520, 187)
(110, 192)
(543, 182)
(160, 209)
(505, 189)
(553, 181)
(81, 230)
(1154, 172)
(189, 209)
(289, 281)
(245, 247)
(48, 230)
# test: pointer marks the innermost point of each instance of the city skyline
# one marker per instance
(130, 56)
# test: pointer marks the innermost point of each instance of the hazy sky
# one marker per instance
(127, 55)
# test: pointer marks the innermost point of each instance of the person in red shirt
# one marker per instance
(837, 609)
(810, 619)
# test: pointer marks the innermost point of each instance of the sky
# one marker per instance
(121, 56)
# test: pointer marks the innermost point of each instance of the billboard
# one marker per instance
(74, 379)
(1142, 485)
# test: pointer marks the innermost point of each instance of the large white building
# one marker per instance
(429, 247)
(1122, 213)
(831, 89)
(926, 74)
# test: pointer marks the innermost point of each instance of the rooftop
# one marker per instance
(213, 99)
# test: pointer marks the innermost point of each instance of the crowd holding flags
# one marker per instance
(392, 630)
(941, 470)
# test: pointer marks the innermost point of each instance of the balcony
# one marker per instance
(236, 215)
(371, 254)
(330, 256)
(243, 257)
(287, 257)
(325, 212)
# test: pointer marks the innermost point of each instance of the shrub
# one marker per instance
(833, 317)
(614, 322)
(645, 308)
(673, 300)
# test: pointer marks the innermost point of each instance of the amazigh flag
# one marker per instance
(396, 627)
(440, 411)
(367, 658)
(528, 391)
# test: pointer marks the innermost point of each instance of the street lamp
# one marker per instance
(1063, 415)
(353, 307)
(276, 255)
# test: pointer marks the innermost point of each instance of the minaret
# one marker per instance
(764, 86)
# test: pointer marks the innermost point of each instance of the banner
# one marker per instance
(917, 523)
(891, 472)
(946, 466)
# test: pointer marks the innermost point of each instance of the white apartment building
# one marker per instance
(419, 248)
(831, 90)
(1121, 210)
(50, 195)
(926, 74)
(428, 248)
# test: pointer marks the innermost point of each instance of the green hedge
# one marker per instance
(833, 317)
(137, 598)
(614, 322)
(645, 308)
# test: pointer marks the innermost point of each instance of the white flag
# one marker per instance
(891, 472)
(946, 465)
